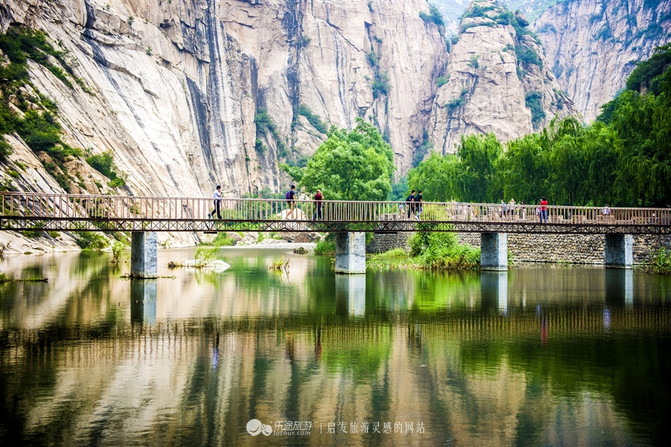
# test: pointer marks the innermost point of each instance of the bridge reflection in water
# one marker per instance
(497, 314)
(493, 359)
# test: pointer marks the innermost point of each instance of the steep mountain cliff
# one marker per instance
(186, 94)
(593, 45)
(190, 93)
(497, 80)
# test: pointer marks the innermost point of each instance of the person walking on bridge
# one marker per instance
(290, 197)
(544, 210)
(217, 203)
(418, 204)
(409, 203)
(318, 206)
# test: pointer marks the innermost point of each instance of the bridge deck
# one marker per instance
(62, 212)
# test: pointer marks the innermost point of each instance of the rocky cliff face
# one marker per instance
(497, 80)
(173, 88)
(593, 45)
(187, 94)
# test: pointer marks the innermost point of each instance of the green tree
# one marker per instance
(399, 190)
(436, 177)
(646, 72)
(476, 179)
(524, 168)
(640, 158)
(640, 124)
(602, 160)
(351, 165)
(568, 164)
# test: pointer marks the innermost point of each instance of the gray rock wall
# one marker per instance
(386, 242)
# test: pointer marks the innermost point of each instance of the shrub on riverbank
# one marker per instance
(396, 258)
(433, 251)
(325, 247)
(660, 261)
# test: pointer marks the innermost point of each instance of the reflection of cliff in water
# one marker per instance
(77, 284)
(450, 371)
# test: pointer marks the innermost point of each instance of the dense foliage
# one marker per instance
(623, 159)
(441, 251)
(351, 165)
(431, 251)
(104, 163)
(660, 261)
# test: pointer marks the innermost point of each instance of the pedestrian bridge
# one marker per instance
(66, 212)
(143, 216)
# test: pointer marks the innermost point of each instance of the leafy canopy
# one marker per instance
(351, 165)
(624, 159)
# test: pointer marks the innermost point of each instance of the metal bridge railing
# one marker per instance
(46, 207)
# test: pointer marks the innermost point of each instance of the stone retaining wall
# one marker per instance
(386, 242)
(572, 248)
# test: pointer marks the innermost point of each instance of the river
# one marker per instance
(540, 355)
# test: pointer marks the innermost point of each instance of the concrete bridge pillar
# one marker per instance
(350, 253)
(143, 257)
(619, 252)
(494, 251)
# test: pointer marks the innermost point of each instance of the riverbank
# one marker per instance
(587, 249)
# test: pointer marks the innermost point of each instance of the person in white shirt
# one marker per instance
(217, 204)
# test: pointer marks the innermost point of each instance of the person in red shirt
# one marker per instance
(544, 210)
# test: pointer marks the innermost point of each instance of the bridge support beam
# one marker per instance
(350, 253)
(494, 251)
(143, 257)
(619, 252)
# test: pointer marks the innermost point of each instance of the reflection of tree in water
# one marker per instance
(415, 338)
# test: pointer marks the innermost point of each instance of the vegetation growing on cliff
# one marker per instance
(104, 163)
(624, 159)
(533, 102)
(313, 119)
(434, 16)
(265, 125)
(23, 110)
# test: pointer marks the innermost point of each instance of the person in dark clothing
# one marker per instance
(418, 204)
(291, 200)
(409, 203)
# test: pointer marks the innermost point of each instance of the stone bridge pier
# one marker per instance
(618, 252)
(350, 251)
(494, 251)
(143, 255)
